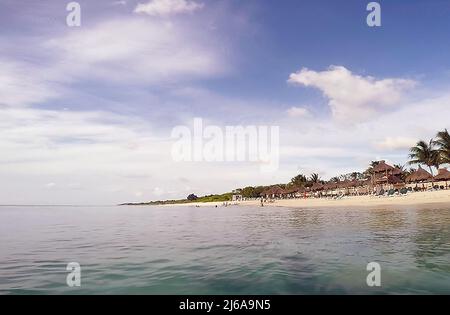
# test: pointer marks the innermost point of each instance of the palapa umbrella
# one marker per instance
(392, 179)
(345, 184)
(317, 187)
(292, 190)
(330, 186)
(356, 183)
(443, 175)
(274, 191)
(419, 176)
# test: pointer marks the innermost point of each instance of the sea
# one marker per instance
(224, 250)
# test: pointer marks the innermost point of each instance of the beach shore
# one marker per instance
(417, 198)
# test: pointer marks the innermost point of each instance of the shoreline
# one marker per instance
(412, 199)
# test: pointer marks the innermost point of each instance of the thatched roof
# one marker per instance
(443, 174)
(357, 183)
(317, 187)
(419, 176)
(301, 190)
(382, 167)
(330, 186)
(274, 190)
(392, 179)
(345, 184)
(292, 190)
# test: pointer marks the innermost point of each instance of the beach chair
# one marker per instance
(391, 193)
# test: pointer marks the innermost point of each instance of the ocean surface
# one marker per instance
(233, 250)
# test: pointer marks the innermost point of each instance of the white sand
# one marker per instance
(417, 198)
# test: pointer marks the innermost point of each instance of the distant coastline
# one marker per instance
(436, 198)
(205, 199)
(380, 180)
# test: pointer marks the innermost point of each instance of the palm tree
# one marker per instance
(299, 180)
(400, 167)
(314, 178)
(404, 172)
(443, 143)
(424, 153)
(334, 179)
(369, 171)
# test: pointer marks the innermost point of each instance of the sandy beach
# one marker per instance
(417, 198)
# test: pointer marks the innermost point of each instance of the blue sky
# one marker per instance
(86, 112)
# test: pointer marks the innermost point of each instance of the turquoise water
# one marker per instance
(234, 250)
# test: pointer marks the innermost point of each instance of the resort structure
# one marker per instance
(381, 180)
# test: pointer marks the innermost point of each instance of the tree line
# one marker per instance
(433, 153)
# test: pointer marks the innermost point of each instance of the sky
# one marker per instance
(86, 113)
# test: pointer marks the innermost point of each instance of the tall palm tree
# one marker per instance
(425, 153)
(299, 180)
(400, 167)
(334, 179)
(404, 172)
(369, 171)
(443, 143)
(314, 178)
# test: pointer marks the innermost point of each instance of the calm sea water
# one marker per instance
(234, 250)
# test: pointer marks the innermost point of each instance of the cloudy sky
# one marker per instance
(86, 113)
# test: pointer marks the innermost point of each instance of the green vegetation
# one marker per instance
(432, 153)
(191, 198)
(443, 143)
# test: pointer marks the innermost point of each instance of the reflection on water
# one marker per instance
(433, 240)
(234, 250)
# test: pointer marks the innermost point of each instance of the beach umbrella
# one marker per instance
(419, 176)
(266, 192)
(392, 179)
(291, 190)
(275, 191)
(317, 187)
(356, 183)
(443, 175)
(344, 184)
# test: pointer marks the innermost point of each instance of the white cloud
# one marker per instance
(21, 84)
(119, 2)
(111, 157)
(168, 7)
(396, 143)
(137, 50)
(298, 112)
(353, 97)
